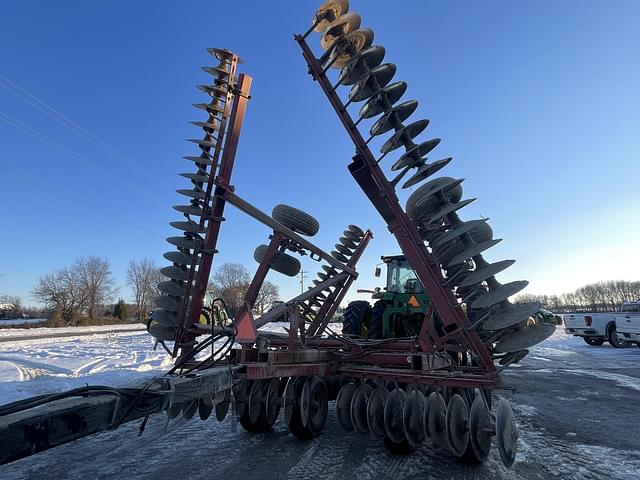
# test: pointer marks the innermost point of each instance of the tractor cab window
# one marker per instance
(401, 278)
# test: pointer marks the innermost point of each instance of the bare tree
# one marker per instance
(96, 279)
(143, 276)
(230, 282)
(62, 291)
(268, 294)
(594, 297)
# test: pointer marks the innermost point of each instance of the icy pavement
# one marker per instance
(577, 407)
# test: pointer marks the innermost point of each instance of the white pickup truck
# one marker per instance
(596, 328)
(628, 323)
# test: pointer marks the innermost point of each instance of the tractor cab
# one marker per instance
(400, 276)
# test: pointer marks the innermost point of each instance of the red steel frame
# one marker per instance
(308, 353)
(381, 193)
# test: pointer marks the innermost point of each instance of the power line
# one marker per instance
(27, 97)
(39, 188)
(70, 153)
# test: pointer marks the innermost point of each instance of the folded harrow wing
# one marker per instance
(433, 387)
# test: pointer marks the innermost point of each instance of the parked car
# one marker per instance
(595, 328)
(628, 323)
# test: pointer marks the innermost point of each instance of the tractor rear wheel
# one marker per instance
(356, 315)
(376, 323)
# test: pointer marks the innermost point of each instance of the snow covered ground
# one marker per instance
(42, 365)
(577, 407)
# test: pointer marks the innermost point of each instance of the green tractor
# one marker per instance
(398, 310)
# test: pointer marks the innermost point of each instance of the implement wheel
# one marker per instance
(295, 219)
(282, 262)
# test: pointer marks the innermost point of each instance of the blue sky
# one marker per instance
(537, 101)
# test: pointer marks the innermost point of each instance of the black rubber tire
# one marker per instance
(613, 338)
(297, 220)
(376, 323)
(595, 342)
(282, 263)
(355, 316)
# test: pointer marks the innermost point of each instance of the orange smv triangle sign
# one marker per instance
(413, 301)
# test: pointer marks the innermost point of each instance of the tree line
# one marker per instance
(594, 297)
(85, 290)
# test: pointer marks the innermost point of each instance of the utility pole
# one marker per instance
(303, 275)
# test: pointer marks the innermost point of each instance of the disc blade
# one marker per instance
(359, 65)
(344, 24)
(328, 12)
(457, 231)
(375, 80)
(189, 209)
(185, 242)
(272, 407)
(408, 132)
(472, 251)
(194, 177)
(174, 273)
(483, 273)
(164, 317)
(172, 288)
(204, 408)
(389, 95)
(359, 404)
(480, 428)
(499, 294)
(457, 425)
(375, 412)
(188, 226)
(506, 432)
(415, 153)
(434, 192)
(162, 333)
(525, 337)
(173, 304)
(400, 113)
(426, 171)
(178, 257)
(201, 160)
(393, 415)
(350, 45)
(511, 315)
(343, 406)
(203, 143)
(447, 209)
(437, 414)
(189, 409)
(222, 408)
(413, 418)
(513, 357)
(192, 193)
(356, 229)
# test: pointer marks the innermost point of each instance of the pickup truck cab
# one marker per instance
(628, 323)
(594, 328)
